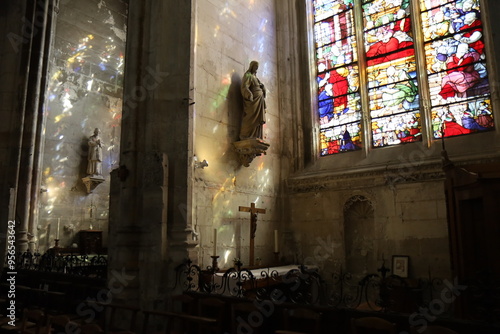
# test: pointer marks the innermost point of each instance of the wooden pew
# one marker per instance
(182, 319)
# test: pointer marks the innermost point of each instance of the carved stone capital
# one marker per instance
(248, 149)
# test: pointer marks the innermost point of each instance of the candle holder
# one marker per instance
(383, 269)
(277, 257)
(56, 243)
(215, 266)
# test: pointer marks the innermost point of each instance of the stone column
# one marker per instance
(150, 193)
(21, 69)
(12, 53)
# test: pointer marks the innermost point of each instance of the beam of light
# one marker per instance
(66, 102)
(226, 11)
(222, 93)
(263, 25)
(89, 84)
(214, 129)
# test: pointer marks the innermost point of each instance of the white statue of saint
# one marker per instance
(94, 167)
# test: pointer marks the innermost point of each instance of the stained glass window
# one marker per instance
(382, 59)
(456, 63)
(339, 103)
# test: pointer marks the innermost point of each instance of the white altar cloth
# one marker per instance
(279, 270)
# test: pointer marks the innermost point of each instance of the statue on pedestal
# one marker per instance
(254, 104)
(251, 142)
(94, 166)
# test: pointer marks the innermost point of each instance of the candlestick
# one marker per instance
(215, 266)
(58, 223)
(276, 248)
(215, 241)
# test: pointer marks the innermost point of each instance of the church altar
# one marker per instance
(249, 282)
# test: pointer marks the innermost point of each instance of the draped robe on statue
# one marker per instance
(254, 94)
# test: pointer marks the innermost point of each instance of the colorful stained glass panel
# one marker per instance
(387, 31)
(459, 83)
(343, 80)
(462, 118)
(391, 72)
(379, 12)
(396, 129)
(458, 79)
(326, 8)
(335, 28)
(336, 54)
(333, 114)
(436, 23)
(394, 98)
(339, 139)
(393, 87)
(428, 4)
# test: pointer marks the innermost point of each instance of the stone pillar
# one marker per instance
(47, 15)
(150, 198)
(295, 65)
(24, 27)
(11, 53)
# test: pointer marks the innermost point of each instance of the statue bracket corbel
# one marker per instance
(249, 149)
(92, 181)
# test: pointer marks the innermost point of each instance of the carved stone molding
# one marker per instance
(249, 149)
(356, 199)
(374, 178)
(91, 182)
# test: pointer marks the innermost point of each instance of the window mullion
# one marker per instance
(363, 77)
(422, 78)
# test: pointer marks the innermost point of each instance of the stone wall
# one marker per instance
(400, 218)
(228, 36)
(84, 92)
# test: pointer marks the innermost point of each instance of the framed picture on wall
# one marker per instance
(400, 265)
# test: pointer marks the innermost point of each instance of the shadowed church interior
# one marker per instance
(250, 166)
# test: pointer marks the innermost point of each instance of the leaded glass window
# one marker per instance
(367, 72)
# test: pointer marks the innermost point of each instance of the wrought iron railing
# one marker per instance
(93, 266)
(304, 285)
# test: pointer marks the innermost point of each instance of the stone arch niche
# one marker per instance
(359, 230)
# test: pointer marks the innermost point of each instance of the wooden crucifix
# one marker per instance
(253, 226)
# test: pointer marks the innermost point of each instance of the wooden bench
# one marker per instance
(184, 320)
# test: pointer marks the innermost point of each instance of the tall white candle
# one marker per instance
(276, 248)
(58, 223)
(215, 242)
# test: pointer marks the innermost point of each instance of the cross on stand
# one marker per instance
(253, 226)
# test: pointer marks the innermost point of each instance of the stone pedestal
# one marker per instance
(248, 149)
(92, 181)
